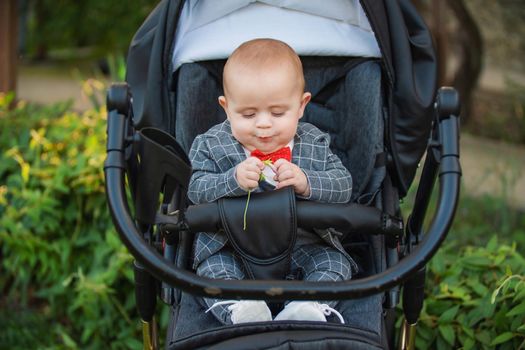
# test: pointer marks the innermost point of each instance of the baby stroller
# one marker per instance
(382, 113)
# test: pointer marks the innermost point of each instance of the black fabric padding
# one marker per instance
(280, 335)
(298, 340)
(197, 105)
(189, 321)
(163, 163)
(149, 67)
(414, 90)
(264, 245)
(354, 125)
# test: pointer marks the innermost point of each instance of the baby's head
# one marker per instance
(264, 94)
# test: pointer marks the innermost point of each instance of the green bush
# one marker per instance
(103, 25)
(475, 299)
(63, 271)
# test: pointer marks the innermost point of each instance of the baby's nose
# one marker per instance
(263, 121)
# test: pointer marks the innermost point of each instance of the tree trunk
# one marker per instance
(8, 44)
(471, 43)
(467, 38)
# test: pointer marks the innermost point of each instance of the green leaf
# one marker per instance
(447, 332)
(517, 310)
(516, 323)
(520, 294)
(480, 289)
(467, 342)
(476, 261)
(441, 344)
(68, 341)
(448, 315)
(503, 286)
(521, 329)
(468, 330)
(437, 264)
(132, 343)
(425, 333)
(484, 337)
(492, 245)
(502, 338)
(421, 343)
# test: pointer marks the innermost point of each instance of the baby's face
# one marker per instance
(264, 108)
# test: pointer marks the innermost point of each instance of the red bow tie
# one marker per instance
(284, 153)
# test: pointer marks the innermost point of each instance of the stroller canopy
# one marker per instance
(337, 28)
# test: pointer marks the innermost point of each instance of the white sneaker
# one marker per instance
(243, 311)
(307, 311)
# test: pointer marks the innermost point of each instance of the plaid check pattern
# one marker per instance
(215, 154)
(317, 263)
(221, 265)
(311, 262)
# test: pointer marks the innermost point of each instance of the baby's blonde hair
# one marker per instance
(263, 54)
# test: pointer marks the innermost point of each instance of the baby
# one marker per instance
(264, 99)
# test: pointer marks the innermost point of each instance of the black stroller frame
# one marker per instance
(155, 236)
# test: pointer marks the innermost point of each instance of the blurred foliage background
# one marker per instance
(62, 27)
(66, 279)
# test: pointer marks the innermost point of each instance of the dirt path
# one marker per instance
(489, 167)
(50, 84)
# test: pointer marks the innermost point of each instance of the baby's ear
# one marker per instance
(306, 98)
(304, 101)
(223, 102)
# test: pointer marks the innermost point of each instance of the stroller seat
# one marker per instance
(346, 103)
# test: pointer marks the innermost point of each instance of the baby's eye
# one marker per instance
(277, 114)
(248, 115)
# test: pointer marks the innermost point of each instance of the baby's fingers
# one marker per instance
(285, 183)
(256, 161)
(284, 174)
(281, 162)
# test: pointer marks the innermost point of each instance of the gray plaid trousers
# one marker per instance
(312, 262)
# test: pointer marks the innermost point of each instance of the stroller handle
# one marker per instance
(279, 290)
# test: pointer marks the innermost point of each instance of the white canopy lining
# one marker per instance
(310, 27)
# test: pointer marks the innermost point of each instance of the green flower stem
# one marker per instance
(246, 209)
(261, 178)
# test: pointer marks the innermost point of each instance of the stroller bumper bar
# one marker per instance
(310, 215)
(279, 290)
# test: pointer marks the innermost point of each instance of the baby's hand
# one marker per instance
(248, 172)
(289, 174)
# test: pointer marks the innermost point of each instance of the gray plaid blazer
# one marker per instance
(215, 154)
